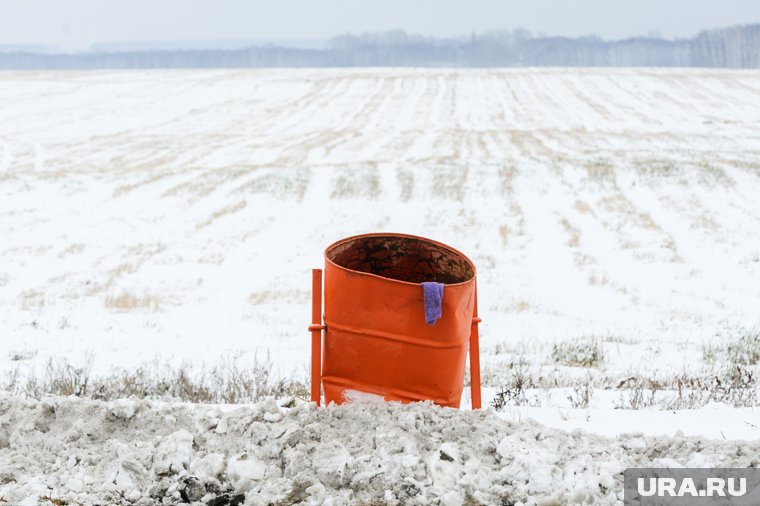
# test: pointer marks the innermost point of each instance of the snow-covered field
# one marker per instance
(172, 217)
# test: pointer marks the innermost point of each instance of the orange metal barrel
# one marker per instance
(376, 340)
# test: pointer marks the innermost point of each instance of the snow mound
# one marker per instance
(141, 452)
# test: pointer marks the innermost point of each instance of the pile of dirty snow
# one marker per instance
(69, 450)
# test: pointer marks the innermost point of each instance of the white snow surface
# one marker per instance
(92, 452)
(174, 216)
(178, 213)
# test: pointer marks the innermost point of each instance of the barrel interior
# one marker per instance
(402, 258)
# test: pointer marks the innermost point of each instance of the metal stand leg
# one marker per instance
(316, 329)
(475, 356)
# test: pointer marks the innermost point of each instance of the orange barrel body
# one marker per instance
(376, 338)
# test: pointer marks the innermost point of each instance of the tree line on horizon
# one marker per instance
(732, 47)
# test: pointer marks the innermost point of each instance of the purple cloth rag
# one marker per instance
(433, 298)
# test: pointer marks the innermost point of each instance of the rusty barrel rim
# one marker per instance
(405, 236)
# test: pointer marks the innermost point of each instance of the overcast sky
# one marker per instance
(75, 24)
